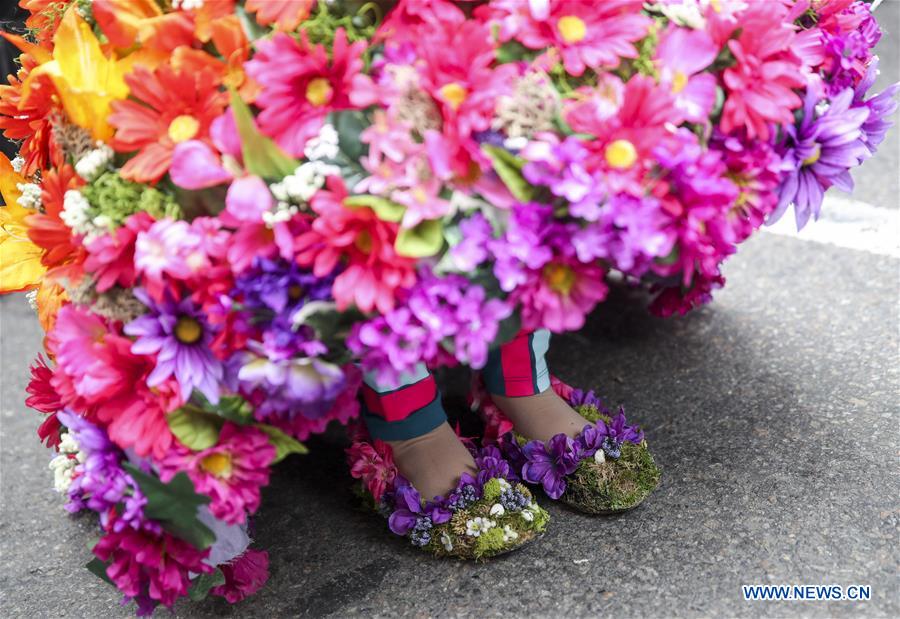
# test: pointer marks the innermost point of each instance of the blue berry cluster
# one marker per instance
(463, 498)
(421, 533)
(513, 500)
(612, 447)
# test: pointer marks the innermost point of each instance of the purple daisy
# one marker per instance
(819, 153)
(177, 333)
(880, 106)
(548, 464)
(100, 483)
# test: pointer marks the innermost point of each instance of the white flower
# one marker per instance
(17, 164)
(504, 485)
(508, 534)
(62, 465)
(75, 212)
(187, 5)
(31, 195)
(497, 510)
(447, 542)
(528, 513)
(324, 145)
(476, 526)
(31, 297)
(94, 162)
(304, 182)
(599, 456)
(67, 444)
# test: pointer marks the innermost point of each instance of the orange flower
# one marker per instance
(172, 106)
(20, 259)
(230, 41)
(126, 22)
(44, 18)
(285, 14)
(29, 120)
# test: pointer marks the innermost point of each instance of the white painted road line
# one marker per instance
(848, 223)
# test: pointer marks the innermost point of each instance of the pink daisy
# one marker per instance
(681, 56)
(300, 86)
(231, 473)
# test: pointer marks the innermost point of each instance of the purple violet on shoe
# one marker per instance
(548, 464)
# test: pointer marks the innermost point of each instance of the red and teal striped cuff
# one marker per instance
(519, 367)
(396, 413)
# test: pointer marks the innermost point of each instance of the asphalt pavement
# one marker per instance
(773, 413)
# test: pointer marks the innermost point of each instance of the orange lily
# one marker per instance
(126, 22)
(86, 81)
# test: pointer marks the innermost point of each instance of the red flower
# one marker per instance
(29, 122)
(43, 397)
(47, 230)
(374, 271)
(172, 107)
(111, 256)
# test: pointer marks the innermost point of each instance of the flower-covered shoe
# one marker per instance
(486, 515)
(605, 469)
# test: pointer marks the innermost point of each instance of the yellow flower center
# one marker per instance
(814, 157)
(319, 91)
(218, 464)
(716, 5)
(571, 28)
(420, 195)
(679, 81)
(295, 292)
(188, 330)
(454, 94)
(183, 128)
(620, 154)
(364, 242)
(559, 277)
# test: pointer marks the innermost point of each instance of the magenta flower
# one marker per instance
(682, 56)
(244, 576)
(178, 335)
(231, 473)
(881, 107)
(170, 248)
(548, 464)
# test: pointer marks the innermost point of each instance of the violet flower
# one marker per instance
(548, 464)
(881, 107)
(100, 483)
(820, 152)
(409, 514)
(608, 437)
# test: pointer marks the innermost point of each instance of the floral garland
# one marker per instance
(224, 210)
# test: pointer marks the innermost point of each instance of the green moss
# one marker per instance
(489, 543)
(541, 518)
(117, 198)
(591, 413)
(492, 490)
(614, 485)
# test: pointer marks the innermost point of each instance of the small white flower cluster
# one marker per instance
(476, 526)
(187, 5)
(599, 456)
(324, 145)
(31, 195)
(31, 297)
(76, 214)
(447, 541)
(299, 187)
(94, 162)
(529, 512)
(62, 465)
(17, 164)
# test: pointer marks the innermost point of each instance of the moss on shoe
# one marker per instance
(613, 486)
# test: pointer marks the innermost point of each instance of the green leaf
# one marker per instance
(234, 408)
(203, 583)
(349, 125)
(384, 208)
(426, 239)
(509, 169)
(284, 444)
(98, 568)
(262, 156)
(174, 505)
(195, 429)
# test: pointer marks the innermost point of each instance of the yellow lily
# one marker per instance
(20, 259)
(86, 81)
